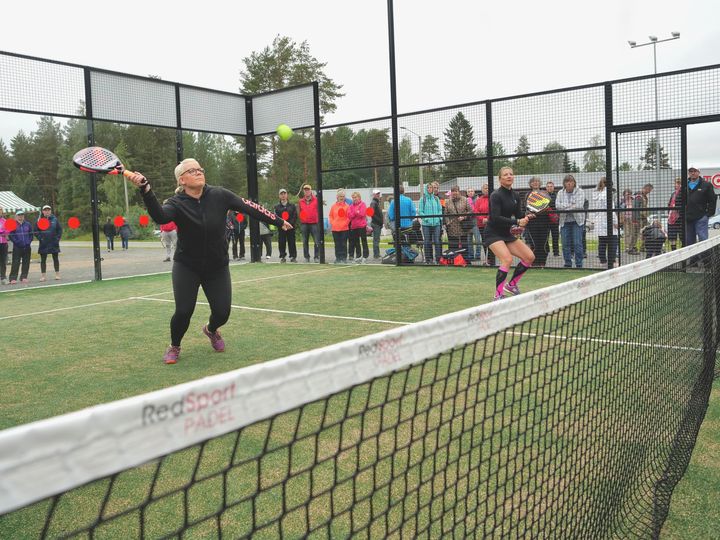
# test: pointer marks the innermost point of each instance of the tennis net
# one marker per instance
(568, 411)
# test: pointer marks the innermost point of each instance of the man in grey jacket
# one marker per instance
(571, 198)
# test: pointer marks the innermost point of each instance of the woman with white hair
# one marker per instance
(201, 257)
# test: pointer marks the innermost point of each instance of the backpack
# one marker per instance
(409, 255)
(453, 258)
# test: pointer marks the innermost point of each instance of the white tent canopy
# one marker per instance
(10, 203)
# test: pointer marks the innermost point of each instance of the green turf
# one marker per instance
(106, 346)
(58, 360)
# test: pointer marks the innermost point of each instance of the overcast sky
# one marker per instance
(447, 52)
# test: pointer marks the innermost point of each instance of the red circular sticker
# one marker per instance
(341, 212)
(285, 215)
(73, 222)
(144, 220)
(10, 224)
(240, 218)
(43, 224)
(370, 212)
(715, 180)
(119, 221)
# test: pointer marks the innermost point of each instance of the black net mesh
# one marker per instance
(575, 424)
(35, 86)
(667, 97)
(133, 100)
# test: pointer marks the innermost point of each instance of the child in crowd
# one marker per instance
(654, 236)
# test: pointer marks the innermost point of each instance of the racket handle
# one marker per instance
(128, 174)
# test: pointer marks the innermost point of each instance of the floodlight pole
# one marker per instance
(654, 41)
(420, 156)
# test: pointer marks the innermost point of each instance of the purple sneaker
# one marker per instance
(171, 355)
(498, 297)
(216, 339)
(512, 289)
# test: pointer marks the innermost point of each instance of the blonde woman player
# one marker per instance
(506, 212)
(201, 258)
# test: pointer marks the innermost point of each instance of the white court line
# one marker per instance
(23, 287)
(605, 341)
(254, 280)
(64, 309)
(319, 315)
(143, 297)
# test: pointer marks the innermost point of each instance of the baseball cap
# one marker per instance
(693, 169)
(47, 206)
(20, 213)
(282, 190)
(307, 186)
(376, 191)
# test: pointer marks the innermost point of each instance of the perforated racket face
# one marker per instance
(538, 201)
(97, 159)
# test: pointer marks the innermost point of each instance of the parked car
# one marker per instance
(714, 222)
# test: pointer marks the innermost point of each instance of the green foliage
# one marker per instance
(459, 144)
(649, 159)
(594, 160)
(286, 63)
(556, 162)
(523, 164)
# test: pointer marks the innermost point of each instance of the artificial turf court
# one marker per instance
(76, 346)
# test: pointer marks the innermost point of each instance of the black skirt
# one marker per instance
(490, 236)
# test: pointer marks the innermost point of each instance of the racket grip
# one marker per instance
(128, 174)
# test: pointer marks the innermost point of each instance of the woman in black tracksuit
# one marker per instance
(506, 212)
(201, 258)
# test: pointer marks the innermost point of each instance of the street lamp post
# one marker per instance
(654, 41)
(420, 156)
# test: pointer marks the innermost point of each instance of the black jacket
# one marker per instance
(290, 208)
(201, 223)
(701, 201)
(377, 217)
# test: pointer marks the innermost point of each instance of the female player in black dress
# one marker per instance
(506, 212)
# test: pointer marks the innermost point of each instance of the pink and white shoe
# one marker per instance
(216, 339)
(171, 355)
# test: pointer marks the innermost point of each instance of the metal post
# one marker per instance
(93, 179)
(657, 131)
(394, 130)
(420, 157)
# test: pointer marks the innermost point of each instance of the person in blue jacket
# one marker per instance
(21, 238)
(49, 239)
(407, 211)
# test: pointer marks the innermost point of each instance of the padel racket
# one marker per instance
(96, 159)
(538, 201)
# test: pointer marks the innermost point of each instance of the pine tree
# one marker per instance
(649, 159)
(459, 144)
(523, 164)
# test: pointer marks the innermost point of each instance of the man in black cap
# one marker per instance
(288, 212)
(700, 206)
(48, 233)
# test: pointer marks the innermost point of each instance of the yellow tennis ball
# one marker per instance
(284, 132)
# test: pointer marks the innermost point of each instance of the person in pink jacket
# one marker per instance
(357, 212)
(3, 248)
